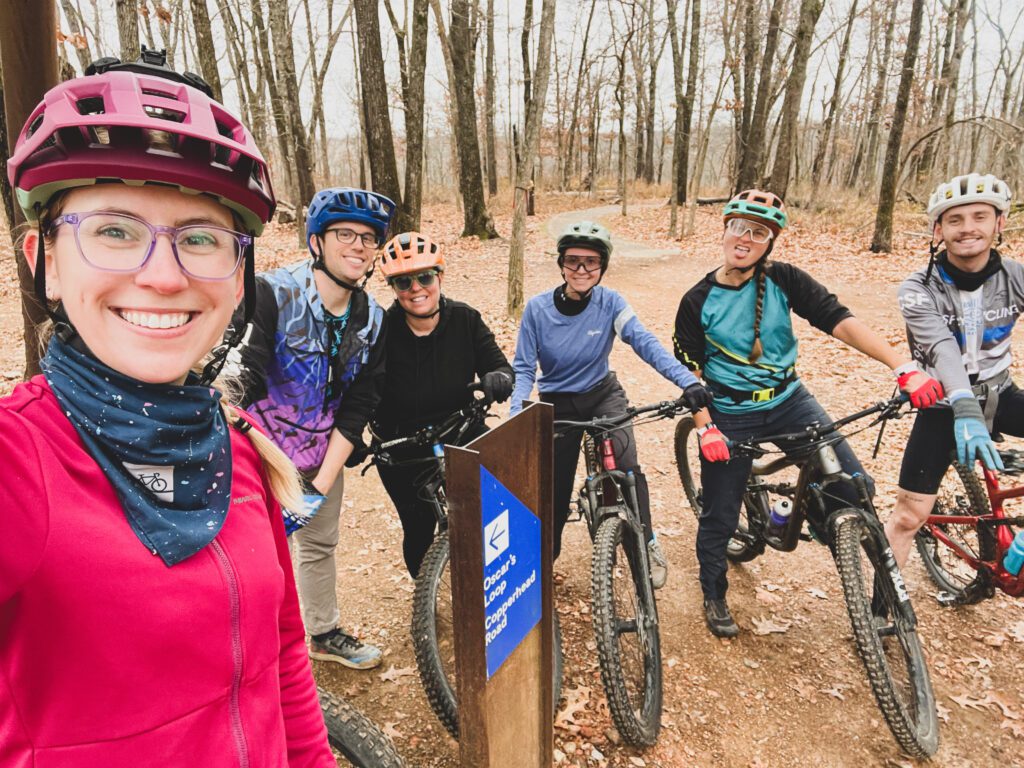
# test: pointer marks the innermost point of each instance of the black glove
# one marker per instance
(497, 386)
(696, 396)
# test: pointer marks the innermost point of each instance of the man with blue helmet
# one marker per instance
(308, 366)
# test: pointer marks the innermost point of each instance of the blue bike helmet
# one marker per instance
(347, 204)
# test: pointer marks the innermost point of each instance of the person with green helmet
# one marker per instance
(735, 329)
(569, 333)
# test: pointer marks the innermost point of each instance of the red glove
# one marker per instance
(713, 446)
(923, 390)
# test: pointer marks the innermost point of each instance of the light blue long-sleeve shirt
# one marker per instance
(573, 351)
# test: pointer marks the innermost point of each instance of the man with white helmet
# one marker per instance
(959, 311)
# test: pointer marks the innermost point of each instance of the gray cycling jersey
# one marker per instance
(962, 337)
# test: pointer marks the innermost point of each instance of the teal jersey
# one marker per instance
(714, 332)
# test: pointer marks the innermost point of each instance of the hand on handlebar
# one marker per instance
(713, 445)
(497, 386)
(922, 389)
(696, 396)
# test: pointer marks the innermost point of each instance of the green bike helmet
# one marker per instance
(763, 207)
(586, 234)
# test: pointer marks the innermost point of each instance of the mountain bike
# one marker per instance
(433, 635)
(351, 733)
(896, 671)
(625, 614)
(966, 537)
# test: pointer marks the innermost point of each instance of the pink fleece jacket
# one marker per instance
(108, 658)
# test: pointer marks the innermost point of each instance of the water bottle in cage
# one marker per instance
(778, 519)
(607, 454)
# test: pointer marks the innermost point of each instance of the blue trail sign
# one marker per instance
(512, 576)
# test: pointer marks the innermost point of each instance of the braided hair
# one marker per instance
(759, 274)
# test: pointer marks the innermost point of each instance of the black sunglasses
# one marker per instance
(404, 282)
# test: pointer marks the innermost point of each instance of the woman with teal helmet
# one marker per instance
(735, 330)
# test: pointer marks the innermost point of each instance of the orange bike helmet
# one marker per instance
(410, 252)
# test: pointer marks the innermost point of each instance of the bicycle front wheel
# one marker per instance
(433, 636)
(359, 741)
(892, 654)
(626, 624)
(687, 448)
(961, 493)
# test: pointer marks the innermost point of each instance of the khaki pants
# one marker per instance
(313, 549)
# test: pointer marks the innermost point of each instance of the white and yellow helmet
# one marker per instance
(970, 188)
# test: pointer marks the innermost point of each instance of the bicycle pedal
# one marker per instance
(946, 599)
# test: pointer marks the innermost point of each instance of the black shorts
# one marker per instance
(931, 445)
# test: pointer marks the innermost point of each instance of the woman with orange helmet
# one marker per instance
(435, 348)
(735, 328)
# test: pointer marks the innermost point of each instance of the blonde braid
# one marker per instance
(757, 350)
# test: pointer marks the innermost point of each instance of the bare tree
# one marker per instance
(207, 55)
(534, 117)
(379, 141)
(477, 220)
(280, 29)
(833, 105)
(752, 159)
(277, 105)
(577, 95)
(810, 10)
(882, 238)
(78, 40)
(492, 161)
(128, 29)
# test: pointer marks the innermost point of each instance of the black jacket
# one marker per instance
(426, 377)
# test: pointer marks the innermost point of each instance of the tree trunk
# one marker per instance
(75, 24)
(874, 115)
(128, 29)
(810, 10)
(414, 114)
(28, 62)
(492, 161)
(477, 220)
(204, 42)
(534, 116)
(752, 160)
(280, 30)
(277, 107)
(881, 241)
(688, 98)
(833, 104)
(379, 141)
(574, 115)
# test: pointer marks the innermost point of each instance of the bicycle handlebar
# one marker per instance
(817, 432)
(666, 409)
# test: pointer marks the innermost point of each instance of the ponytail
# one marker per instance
(759, 274)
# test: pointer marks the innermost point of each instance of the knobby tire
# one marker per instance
(634, 699)
(905, 695)
(359, 741)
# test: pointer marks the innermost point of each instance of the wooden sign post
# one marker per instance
(500, 524)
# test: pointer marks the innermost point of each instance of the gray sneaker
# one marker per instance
(341, 647)
(659, 565)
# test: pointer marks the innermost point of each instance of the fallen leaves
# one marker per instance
(394, 674)
(763, 626)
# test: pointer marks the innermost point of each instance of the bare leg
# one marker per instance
(909, 514)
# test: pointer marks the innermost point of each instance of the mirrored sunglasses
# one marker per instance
(403, 283)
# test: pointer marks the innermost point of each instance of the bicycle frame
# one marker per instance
(994, 571)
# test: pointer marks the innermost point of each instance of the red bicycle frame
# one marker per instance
(1001, 578)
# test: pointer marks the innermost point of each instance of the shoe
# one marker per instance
(341, 647)
(658, 563)
(719, 619)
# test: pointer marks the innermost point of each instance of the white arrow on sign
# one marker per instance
(495, 537)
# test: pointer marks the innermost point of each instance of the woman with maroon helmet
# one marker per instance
(147, 601)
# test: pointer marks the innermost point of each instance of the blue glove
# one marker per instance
(293, 521)
(972, 438)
